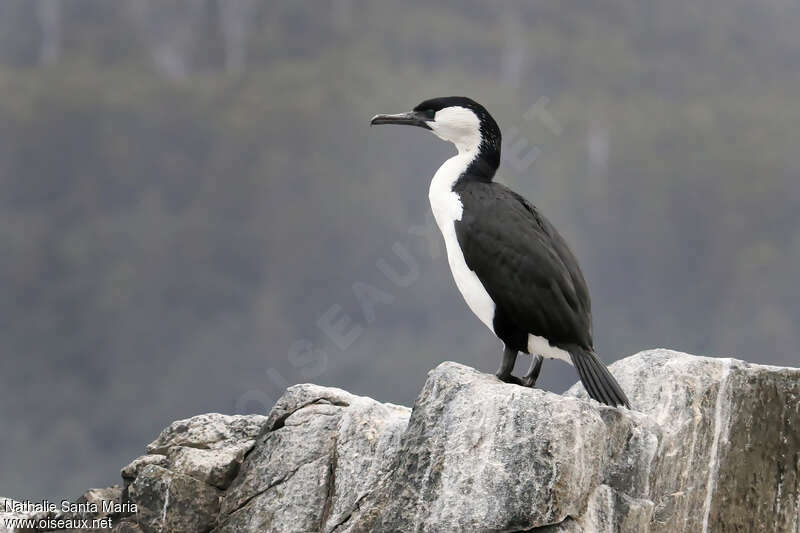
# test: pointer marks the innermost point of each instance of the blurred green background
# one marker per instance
(189, 188)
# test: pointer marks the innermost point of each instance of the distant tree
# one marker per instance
(48, 13)
(235, 20)
(169, 30)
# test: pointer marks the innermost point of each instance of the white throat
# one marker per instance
(445, 203)
(460, 126)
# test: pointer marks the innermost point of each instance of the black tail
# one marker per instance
(596, 378)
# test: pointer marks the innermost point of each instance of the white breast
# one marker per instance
(447, 209)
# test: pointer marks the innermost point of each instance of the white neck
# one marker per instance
(447, 209)
(445, 204)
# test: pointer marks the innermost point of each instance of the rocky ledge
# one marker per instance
(711, 445)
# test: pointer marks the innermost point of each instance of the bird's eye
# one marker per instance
(429, 114)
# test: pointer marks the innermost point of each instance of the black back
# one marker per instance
(525, 266)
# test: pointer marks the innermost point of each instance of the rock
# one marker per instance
(101, 505)
(209, 432)
(215, 467)
(130, 471)
(711, 446)
(127, 527)
(729, 456)
(178, 485)
(169, 501)
(482, 455)
(106, 500)
(323, 449)
(209, 447)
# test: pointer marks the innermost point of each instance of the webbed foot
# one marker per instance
(508, 378)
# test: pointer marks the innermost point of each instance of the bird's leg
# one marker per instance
(529, 379)
(504, 372)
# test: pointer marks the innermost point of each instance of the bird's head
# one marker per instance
(458, 119)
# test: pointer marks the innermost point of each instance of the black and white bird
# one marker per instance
(514, 270)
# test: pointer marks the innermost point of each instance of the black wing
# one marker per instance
(524, 264)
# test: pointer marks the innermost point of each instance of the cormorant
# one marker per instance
(514, 270)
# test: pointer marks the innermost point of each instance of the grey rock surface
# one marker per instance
(323, 450)
(711, 445)
(169, 501)
(729, 454)
(482, 455)
(178, 485)
(209, 432)
(131, 470)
